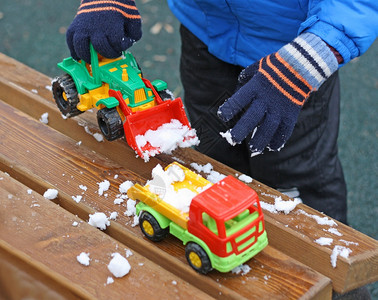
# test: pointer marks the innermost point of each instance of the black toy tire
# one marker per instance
(197, 258)
(110, 123)
(66, 96)
(151, 228)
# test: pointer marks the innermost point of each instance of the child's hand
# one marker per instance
(111, 27)
(273, 91)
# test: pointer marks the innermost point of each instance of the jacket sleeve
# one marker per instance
(350, 26)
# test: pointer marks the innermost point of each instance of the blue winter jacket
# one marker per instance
(242, 31)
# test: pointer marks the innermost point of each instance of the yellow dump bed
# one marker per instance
(187, 179)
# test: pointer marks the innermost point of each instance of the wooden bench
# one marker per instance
(36, 156)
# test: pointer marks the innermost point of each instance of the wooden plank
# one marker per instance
(293, 234)
(38, 237)
(42, 157)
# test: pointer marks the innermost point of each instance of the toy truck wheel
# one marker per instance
(197, 258)
(151, 228)
(65, 95)
(110, 123)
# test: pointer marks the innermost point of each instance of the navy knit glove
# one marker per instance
(273, 90)
(111, 27)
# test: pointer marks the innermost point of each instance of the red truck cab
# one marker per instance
(227, 217)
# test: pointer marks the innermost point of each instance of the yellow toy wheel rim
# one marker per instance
(64, 95)
(195, 260)
(147, 227)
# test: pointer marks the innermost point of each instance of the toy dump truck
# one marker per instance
(127, 103)
(222, 229)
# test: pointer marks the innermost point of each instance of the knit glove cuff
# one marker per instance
(307, 58)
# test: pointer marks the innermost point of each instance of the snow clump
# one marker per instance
(99, 220)
(103, 187)
(50, 194)
(324, 241)
(44, 118)
(339, 251)
(119, 266)
(83, 258)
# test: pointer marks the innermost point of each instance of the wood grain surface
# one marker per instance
(43, 156)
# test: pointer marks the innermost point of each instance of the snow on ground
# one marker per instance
(103, 187)
(119, 266)
(44, 118)
(124, 187)
(167, 138)
(99, 220)
(243, 269)
(50, 194)
(83, 258)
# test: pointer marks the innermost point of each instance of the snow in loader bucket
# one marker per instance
(160, 129)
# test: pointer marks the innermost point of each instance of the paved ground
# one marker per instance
(33, 32)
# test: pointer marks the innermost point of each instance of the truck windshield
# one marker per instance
(240, 221)
(234, 224)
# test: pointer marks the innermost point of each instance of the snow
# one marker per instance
(324, 241)
(227, 135)
(44, 118)
(135, 221)
(77, 198)
(339, 251)
(83, 187)
(319, 220)
(167, 138)
(349, 243)
(176, 173)
(119, 266)
(243, 269)
(103, 187)
(212, 176)
(245, 178)
(118, 201)
(280, 205)
(124, 187)
(285, 206)
(99, 220)
(50, 194)
(334, 231)
(161, 184)
(113, 215)
(83, 258)
(131, 209)
(99, 137)
(202, 168)
(128, 253)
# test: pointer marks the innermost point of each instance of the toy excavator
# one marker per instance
(127, 103)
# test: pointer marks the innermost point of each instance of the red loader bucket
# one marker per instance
(151, 119)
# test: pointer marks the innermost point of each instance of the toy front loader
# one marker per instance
(127, 103)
